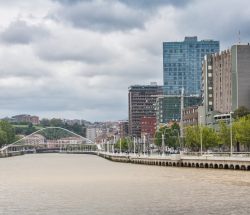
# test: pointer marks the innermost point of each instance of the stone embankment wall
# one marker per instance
(232, 163)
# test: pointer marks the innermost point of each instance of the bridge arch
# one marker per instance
(39, 136)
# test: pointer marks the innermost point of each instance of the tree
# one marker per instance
(193, 136)
(171, 136)
(242, 131)
(45, 122)
(224, 134)
(56, 122)
(31, 129)
(9, 130)
(240, 112)
(3, 138)
(125, 144)
(210, 138)
(158, 137)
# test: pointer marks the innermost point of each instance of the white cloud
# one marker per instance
(19, 32)
(81, 65)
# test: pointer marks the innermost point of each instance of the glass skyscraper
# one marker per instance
(182, 64)
(182, 68)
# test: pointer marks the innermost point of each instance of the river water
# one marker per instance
(61, 184)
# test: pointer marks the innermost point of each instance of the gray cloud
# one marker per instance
(222, 25)
(75, 46)
(70, 1)
(101, 16)
(23, 72)
(19, 32)
(60, 97)
(111, 15)
(96, 49)
(154, 3)
(135, 3)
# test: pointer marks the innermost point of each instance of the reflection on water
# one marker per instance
(86, 184)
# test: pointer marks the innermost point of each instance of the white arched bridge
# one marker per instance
(51, 139)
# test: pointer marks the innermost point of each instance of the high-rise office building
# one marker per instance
(141, 101)
(182, 66)
(225, 80)
(216, 82)
(240, 76)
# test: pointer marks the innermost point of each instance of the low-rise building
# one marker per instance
(26, 118)
(190, 116)
(91, 133)
(148, 126)
(123, 128)
(141, 102)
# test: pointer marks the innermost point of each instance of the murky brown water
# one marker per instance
(60, 184)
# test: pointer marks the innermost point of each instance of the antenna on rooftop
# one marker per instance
(239, 37)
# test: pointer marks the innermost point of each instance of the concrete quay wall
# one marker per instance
(10, 154)
(233, 163)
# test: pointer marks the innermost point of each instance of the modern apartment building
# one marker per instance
(182, 68)
(216, 83)
(225, 80)
(141, 102)
(240, 76)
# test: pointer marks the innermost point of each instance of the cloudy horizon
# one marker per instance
(77, 58)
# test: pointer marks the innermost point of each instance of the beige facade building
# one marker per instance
(226, 80)
(222, 92)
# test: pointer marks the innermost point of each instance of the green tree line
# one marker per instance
(221, 138)
(30, 128)
(7, 133)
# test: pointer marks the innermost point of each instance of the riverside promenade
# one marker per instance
(235, 162)
(215, 161)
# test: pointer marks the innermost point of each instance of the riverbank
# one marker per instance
(10, 154)
(177, 160)
(205, 161)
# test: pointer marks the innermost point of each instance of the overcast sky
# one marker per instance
(77, 58)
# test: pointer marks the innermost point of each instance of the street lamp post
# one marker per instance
(134, 145)
(231, 135)
(113, 147)
(108, 146)
(201, 134)
(163, 141)
(163, 144)
(120, 145)
(144, 145)
(102, 145)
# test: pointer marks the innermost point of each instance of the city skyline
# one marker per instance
(61, 59)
